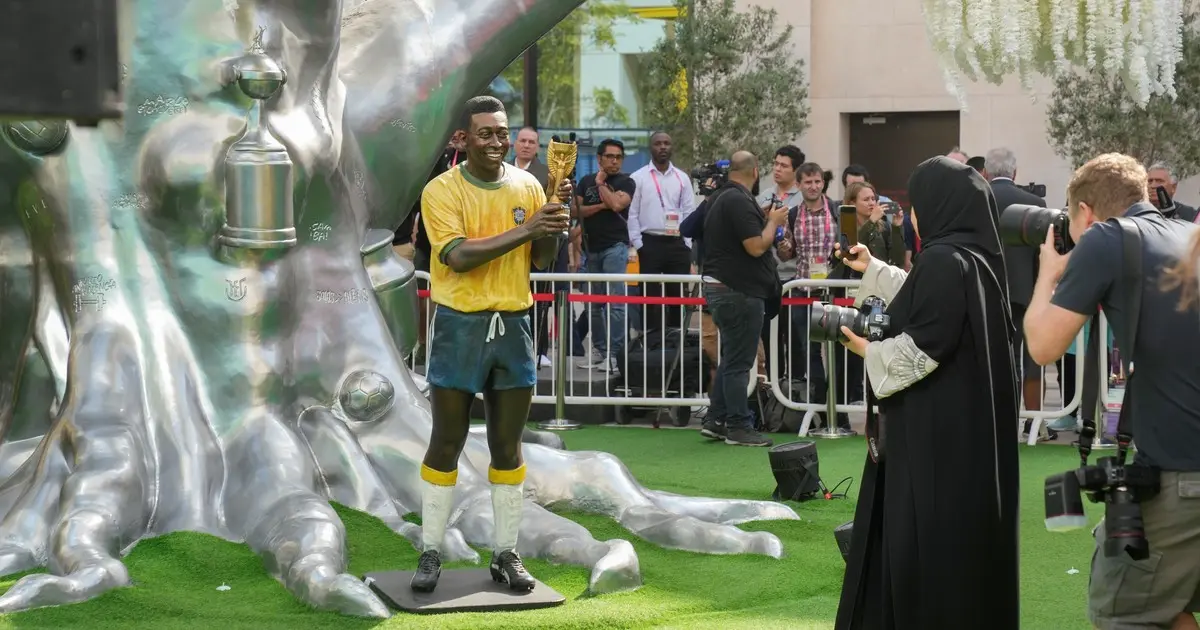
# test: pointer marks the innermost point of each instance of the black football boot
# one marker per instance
(507, 568)
(429, 569)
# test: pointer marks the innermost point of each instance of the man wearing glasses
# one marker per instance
(602, 203)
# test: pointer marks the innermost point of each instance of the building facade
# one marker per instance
(876, 91)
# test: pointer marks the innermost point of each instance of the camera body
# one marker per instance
(1026, 225)
(868, 321)
(717, 171)
(1121, 488)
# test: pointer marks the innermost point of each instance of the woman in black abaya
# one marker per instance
(935, 530)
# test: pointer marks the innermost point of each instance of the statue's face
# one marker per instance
(488, 140)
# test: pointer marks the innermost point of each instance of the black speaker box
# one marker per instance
(797, 470)
(842, 535)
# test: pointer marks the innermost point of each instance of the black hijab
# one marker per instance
(955, 206)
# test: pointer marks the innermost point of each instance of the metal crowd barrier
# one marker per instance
(568, 306)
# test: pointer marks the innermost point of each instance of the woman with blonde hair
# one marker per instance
(873, 230)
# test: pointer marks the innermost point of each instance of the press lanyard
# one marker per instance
(657, 187)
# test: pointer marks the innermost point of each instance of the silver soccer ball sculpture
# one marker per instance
(365, 396)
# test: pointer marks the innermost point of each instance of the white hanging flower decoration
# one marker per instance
(1139, 41)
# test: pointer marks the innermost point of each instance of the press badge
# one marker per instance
(671, 219)
(818, 270)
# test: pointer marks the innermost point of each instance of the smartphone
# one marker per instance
(848, 223)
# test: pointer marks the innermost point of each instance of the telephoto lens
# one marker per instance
(1123, 525)
(870, 322)
(1022, 224)
(826, 321)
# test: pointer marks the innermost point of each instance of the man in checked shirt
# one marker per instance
(809, 238)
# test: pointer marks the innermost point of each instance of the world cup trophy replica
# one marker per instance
(204, 328)
(560, 162)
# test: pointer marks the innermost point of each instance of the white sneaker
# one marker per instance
(609, 365)
(544, 361)
(593, 360)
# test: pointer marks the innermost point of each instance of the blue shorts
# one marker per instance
(471, 352)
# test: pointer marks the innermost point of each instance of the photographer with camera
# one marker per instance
(1146, 569)
(938, 496)
(1000, 169)
(737, 246)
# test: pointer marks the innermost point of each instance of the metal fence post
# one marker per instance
(562, 317)
(830, 431)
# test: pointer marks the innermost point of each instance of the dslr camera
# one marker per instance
(868, 321)
(1021, 224)
(1121, 488)
(718, 172)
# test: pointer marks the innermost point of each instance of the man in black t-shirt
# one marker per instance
(737, 244)
(1164, 397)
(602, 202)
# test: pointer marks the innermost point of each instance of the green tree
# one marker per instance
(734, 82)
(1090, 114)
(558, 66)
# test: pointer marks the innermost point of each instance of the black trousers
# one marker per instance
(669, 255)
(541, 336)
(1066, 378)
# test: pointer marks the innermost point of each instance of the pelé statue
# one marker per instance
(487, 221)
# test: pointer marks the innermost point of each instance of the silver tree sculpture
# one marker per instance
(202, 332)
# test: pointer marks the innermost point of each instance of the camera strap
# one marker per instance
(1131, 267)
(1091, 409)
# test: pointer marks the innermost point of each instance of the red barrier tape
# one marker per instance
(636, 299)
(658, 301)
(807, 300)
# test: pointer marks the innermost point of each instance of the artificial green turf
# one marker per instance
(176, 576)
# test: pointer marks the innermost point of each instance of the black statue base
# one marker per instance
(458, 590)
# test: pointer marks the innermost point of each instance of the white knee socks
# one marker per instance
(437, 499)
(508, 493)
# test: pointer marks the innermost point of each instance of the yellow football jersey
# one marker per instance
(457, 206)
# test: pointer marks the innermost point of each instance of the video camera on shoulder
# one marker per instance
(1022, 224)
(1037, 190)
(717, 171)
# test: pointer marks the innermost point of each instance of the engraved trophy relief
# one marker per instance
(228, 379)
(258, 171)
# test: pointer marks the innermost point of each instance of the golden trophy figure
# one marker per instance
(560, 161)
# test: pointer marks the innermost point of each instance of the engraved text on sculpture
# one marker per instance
(170, 106)
(89, 292)
(349, 296)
